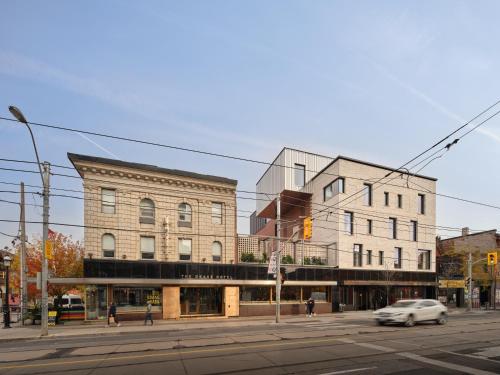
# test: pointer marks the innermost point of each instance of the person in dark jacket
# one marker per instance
(112, 313)
(310, 307)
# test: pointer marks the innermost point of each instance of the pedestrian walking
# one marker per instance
(112, 315)
(311, 303)
(149, 315)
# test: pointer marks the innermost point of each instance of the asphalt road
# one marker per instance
(468, 344)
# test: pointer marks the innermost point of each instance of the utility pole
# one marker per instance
(45, 268)
(469, 266)
(23, 270)
(278, 259)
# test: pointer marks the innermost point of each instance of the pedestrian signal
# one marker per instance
(307, 228)
(492, 259)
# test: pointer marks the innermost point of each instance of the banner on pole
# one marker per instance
(272, 263)
(49, 246)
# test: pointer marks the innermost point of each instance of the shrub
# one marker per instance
(287, 259)
(247, 257)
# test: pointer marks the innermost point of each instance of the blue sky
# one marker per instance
(378, 81)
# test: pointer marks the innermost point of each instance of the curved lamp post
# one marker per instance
(44, 174)
(6, 308)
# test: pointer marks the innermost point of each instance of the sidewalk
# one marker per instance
(99, 328)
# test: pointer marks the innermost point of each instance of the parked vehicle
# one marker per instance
(409, 312)
(69, 301)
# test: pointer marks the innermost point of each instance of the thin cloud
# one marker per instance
(433, 103)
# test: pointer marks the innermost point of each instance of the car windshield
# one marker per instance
(403, 304)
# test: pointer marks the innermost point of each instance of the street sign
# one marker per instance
(272, 264)
(492, 259)
(307, 228)
(52, 318)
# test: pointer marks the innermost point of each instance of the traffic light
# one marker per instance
(307, 228)
(492, 259)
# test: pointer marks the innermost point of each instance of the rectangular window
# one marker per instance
(357, 260)
(349, 222)
(386, 198)
(424, 259)
(421, 204)
(300, 175)
(216, 213)
(327, 192)
(381, 258)
(400, 201)
(108, 200)
(397, 257)
(334, 188)
(393, 228)
(368, 257)
(185, 249)
(369, 226)
(147, 247)
(413, 230)
(367, 195)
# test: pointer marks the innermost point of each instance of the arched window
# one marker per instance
(184, 215)
(147, 211)
(216, 251)
(108, 245)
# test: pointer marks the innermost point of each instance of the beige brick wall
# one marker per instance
(167, 192)
(331, 229)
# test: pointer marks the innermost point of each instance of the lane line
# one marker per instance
(176, 352)
(451, 366)
(368, 345)
(469, 356)
(348, 371)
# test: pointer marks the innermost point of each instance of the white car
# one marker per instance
(410, 311)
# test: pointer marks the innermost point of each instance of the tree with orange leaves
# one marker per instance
(67, 261)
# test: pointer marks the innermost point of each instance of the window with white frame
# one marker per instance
(216, 251)
(216, 213)
(367, 194)
(421, 204)
(184, 215)
(108, 201)
(334, 188)
(357, 260)
(398, 261)
(147, 247)
(393, 228)
(413, 230)
(424, 259)
(300, 175)
(108, 245)
(185, 248)
(147, 211)
(348, 222)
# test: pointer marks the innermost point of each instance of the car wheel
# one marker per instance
(442, 319)
(410, 321)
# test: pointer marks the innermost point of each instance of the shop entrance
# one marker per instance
(201, 301)
(96, 302)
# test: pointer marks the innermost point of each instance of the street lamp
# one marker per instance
(6, 308)
(44, 174)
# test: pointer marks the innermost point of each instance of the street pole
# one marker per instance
(6, 314)
(23, 281)
(45, 307)
(469, 266)
(278, 259)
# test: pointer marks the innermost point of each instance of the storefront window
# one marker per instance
(201, 301)
(255, 294)
(317, 293)
(96, 302)
(288, 294)
(130, 298)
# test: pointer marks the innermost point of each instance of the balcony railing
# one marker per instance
(256, 249)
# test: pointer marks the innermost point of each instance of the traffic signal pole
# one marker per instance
(469, 299)
(278, 259)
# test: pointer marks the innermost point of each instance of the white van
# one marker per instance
(71, 300)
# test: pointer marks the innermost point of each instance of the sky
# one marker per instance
(378, 81)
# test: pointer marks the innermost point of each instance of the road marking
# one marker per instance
(238, 346)
(469, 356)
(368, 345)
(451, 366)
(348, 371)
